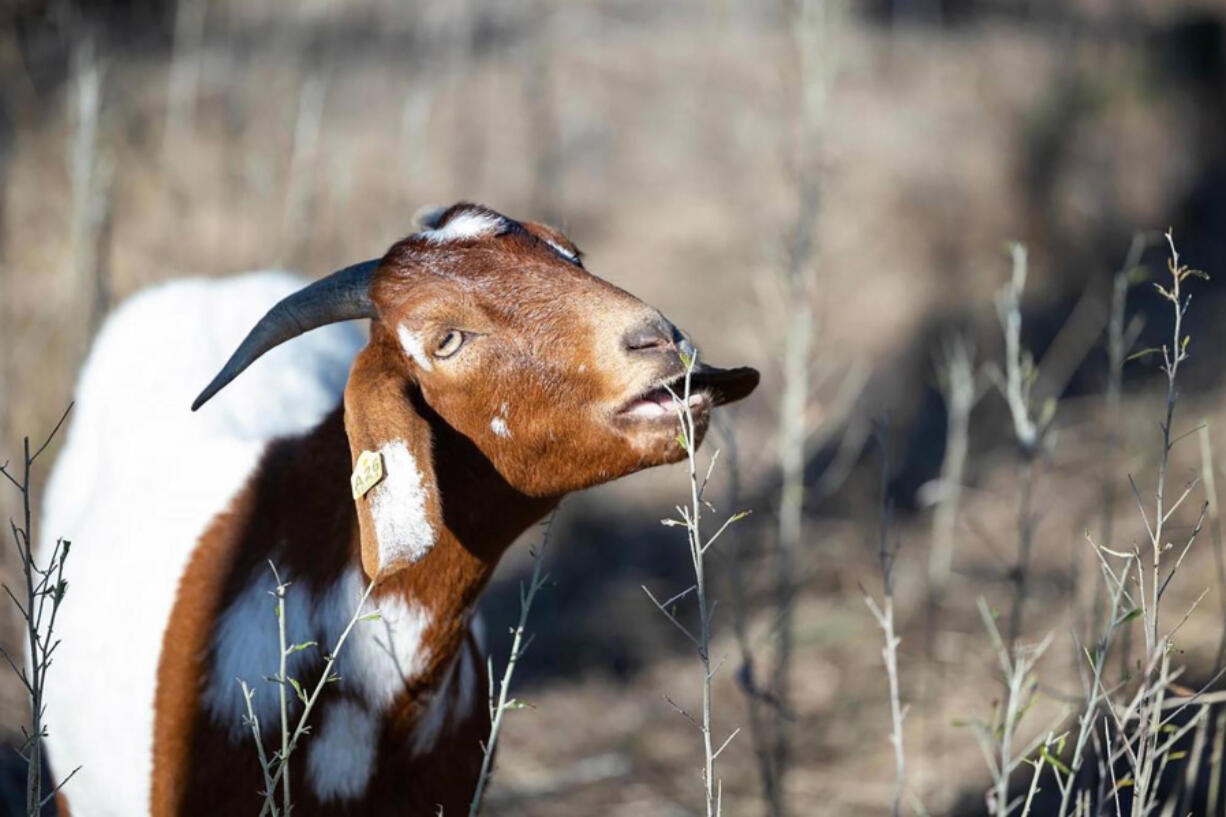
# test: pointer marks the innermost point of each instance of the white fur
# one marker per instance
(411, 342)
(499, 426)
(398, 507)
(562, 251)
(341, 757)
(463, 226)
(378, 658)
(382, 655)
(246, 646)
(134, 507)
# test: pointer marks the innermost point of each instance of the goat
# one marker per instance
(499, 376)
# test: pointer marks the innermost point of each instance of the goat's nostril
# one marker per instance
(652, 335)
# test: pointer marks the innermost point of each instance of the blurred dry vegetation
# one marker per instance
(141, 141)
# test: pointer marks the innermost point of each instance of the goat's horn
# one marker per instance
(342, 296)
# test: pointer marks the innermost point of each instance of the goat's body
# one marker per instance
(499, 376)
(136, 485)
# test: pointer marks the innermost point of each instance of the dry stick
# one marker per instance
(1208, 479)
(92, 180)
(1216, 758)
(300, 185)
(1029, 430)
(884, 614)
(281, 760)
(518, 646)
(1097, 659)
(739, 595)
(809, 29)
(42, 584)
(996, 739)
(1150, 698)
(956, 373)
(691, 520)
(184, 71)
(1120, 338)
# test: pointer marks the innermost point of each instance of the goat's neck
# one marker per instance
(482, 516)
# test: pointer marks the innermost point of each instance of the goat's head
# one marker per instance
(560, 379)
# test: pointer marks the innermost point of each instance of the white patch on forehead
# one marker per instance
(246, 646)
(465, 225)
(411, 342)
(380, 655)
(398, 507)
(562, 251)
(341, 758)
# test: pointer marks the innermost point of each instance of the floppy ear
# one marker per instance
(395, 488)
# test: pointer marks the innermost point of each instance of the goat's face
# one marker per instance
(558, 377)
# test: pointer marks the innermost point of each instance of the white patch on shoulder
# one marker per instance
(499, 426)
(246, 646)
(382, 655)
(413, 347)
(465, 225)
(398, 507)
(341, 758)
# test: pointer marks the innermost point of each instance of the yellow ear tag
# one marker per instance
(367, 472)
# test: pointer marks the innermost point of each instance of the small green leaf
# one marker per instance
(300, 647)
(298, 689)
(1053, 760)
(1153, 350)
(371, 617)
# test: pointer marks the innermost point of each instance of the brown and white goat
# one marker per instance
(499, 375)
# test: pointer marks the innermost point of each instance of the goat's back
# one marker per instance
(139, 478)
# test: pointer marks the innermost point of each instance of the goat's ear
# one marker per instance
(394, 485)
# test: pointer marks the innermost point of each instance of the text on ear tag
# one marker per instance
(367, 472)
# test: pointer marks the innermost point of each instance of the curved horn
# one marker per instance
(342, 296)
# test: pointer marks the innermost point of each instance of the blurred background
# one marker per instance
(823, 190)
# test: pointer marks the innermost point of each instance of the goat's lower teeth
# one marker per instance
(648, 408)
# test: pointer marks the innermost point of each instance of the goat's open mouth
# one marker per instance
(709, 387)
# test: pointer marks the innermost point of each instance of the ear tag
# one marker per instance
(367, 472)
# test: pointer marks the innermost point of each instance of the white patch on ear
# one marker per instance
(463, 226)
(341, 758)
(398, 507)
(245, 645)
(381, 655)
(413, 347)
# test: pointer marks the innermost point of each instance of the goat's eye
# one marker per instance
(449, 343)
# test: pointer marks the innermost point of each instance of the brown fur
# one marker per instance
(546, 354)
